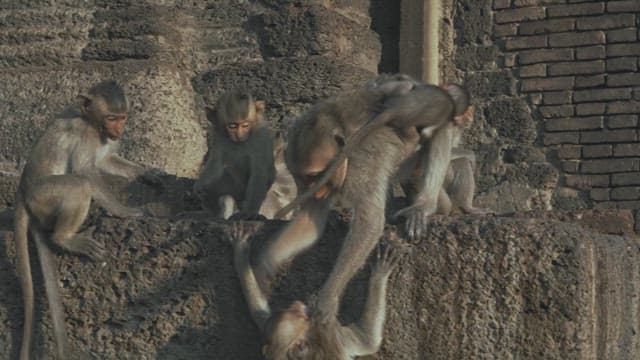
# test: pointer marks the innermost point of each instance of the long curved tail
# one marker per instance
(21, 227)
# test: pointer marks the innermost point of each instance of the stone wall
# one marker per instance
(557, 85)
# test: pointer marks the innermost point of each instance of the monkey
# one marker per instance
(361, 180)
(424, 109)
(240, 165)
(296, 332)
(60, 178)
(283, 190)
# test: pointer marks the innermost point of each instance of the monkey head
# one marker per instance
(463, 115)
(236, 114)
(106, 107)
(308, 160)
(287, 333)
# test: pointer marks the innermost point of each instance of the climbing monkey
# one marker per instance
(61, 177)
(240, 164)
(298, 332)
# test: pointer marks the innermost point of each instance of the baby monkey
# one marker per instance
(240, 167)
(296, 333)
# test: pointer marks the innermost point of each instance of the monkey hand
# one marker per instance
(387, 260)
(238, 235)
(416, 219)
(153, 177)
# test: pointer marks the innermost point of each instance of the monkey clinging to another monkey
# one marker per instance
(297, 334)
(240, 163)
(61, 177)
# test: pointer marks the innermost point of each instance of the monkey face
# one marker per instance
(465, 120)
(239, 131)
(113, 125)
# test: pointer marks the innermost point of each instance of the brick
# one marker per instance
(574, 10)
(605, 22)
(599, 194)
(605, 166)
(517, 15)
(626, 79)
(545, 55)
(572, 39)
(589, 81)
(570, 166)
(535, 70)
(607, 205)
(587, 181)
(546, 26)
(568, 124)
(623, 35)
(591, 52)
(622, 64)
(590, 109)
(526, 42)
(626, 149)
(625, 193)
(597, 151)
(521, 3)
(623, 6)
(632, 178)
(569, 152)
(623, 107)
(593, 95)
(554, 83)
(509, 60)
(505, 30)
(607, 136)
(636, 93)
(561, 138)
(622, 121)
(556, 111)
(556, 97)
(501, 4)
(576, 67)
(623, 50)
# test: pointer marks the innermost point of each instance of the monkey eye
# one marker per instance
(112, 118)
(232, 126)
(244, 125)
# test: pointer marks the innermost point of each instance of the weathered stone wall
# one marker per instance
(557, 90)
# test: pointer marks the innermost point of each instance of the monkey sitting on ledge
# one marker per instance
(296, 333)
(240, 167)
(61, 177)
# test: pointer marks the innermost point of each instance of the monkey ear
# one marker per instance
(260, 106)
(339, 138)
(86, 101)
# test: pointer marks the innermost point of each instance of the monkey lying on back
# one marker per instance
(296, 333)
(240, 164)
(61, 177)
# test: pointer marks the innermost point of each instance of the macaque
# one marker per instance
(316, 156)
(283, 190)
(298, 332)
(240, 165)
(61, 177)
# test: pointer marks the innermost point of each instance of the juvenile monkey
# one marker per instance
(61, 177)
(297, 332)
(240, 164)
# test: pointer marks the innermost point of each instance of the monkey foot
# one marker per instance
(87, 246)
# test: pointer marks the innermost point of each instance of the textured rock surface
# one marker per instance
(494, 287)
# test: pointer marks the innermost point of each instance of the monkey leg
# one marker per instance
(71, 215)
(462, 187)
(107, 201)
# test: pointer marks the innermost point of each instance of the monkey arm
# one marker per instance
(436, 162)
(213, 168)
(365, 336)
(256, 299)
(301, 233)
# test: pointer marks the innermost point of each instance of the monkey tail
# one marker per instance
(377, 122)
(49, 274)
(23, 265)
